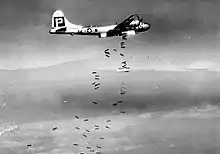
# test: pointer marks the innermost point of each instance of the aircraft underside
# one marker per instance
(107, 34)
(100, 35)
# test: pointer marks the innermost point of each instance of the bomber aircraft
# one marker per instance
(132, 25)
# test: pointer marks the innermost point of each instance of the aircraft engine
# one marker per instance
(131, 32)
(103, 35)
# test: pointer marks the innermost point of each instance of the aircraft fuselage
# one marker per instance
(131, 26)
(97, 30)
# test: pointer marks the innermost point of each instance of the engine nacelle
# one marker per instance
(103, 35)
(130, 32)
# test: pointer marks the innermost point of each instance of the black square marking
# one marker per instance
(59, 22)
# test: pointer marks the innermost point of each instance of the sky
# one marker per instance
(185, 32)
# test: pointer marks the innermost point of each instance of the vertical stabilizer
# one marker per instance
(60, 21)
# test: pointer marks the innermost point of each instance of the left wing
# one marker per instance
(125, 24)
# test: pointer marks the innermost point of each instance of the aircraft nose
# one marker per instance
(146, 26)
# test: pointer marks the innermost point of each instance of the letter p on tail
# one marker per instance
(58, 19)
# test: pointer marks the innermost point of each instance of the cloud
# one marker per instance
(201, 65)
(205, 111)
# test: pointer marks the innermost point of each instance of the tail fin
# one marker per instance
(60, 21)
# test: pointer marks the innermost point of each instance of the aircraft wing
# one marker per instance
(124, 24)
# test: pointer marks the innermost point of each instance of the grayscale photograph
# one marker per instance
(109, 77)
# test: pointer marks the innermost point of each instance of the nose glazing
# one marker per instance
(146, 26)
